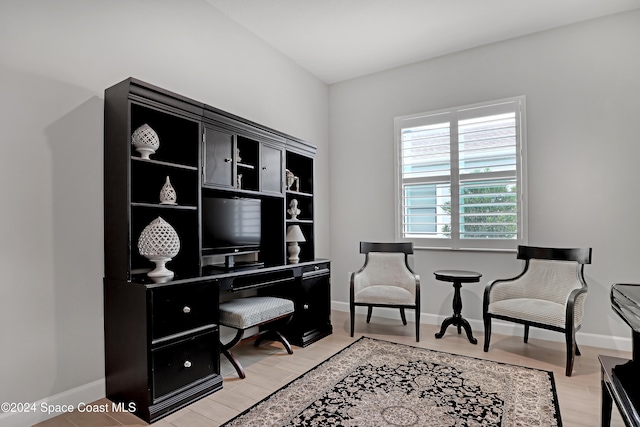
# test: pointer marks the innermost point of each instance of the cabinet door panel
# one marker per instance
(272, 171)
(312, 319)
(316, 304)
(218, 158)
(181, 364)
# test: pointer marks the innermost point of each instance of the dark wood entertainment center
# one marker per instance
(162, 334)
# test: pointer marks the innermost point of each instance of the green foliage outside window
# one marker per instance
(487, 212)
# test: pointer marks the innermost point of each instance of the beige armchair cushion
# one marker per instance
(385, 295)
(385, 280)
(540, 295)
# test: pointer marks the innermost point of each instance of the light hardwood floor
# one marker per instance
(269, 367)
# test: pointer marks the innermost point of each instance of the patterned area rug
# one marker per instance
(378, 383)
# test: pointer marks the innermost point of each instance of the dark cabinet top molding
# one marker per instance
(207, 112)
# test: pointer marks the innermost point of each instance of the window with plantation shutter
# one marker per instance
(461, 176)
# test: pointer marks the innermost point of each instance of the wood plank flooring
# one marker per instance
(269, 367)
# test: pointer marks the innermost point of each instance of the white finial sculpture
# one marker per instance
(168, 194)
(145, 140)
(159, 243)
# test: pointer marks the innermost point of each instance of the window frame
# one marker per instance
(455, 242)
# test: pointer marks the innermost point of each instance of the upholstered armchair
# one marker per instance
(549, 293)
(385, 280)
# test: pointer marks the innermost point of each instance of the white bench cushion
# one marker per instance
(243, 313)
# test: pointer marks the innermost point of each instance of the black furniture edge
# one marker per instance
(619, 376)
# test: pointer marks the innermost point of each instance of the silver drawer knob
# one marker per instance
(316, 268)
(306, 306)
(227, 160)
(186, 309)
(187, 364)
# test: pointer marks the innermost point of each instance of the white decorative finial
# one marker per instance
(168, 194)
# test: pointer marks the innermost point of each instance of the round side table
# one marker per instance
(458, 277)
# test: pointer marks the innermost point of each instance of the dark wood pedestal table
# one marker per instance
(458, 277)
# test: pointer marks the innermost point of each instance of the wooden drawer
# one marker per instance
(186, 362)
(257, 280)
(320, 268)
(183, 307)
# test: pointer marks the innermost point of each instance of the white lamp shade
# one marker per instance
(294, 234)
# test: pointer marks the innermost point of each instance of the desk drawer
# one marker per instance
(259, 280)
(183, 363)
(183, 307)
(320, 268)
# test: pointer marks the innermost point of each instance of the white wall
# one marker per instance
(583, 100)
(56, 59)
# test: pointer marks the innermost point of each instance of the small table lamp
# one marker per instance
(294, 235)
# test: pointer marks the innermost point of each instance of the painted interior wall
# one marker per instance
(583, 99)
(56, 60)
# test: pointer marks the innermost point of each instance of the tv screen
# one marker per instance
(230, 223)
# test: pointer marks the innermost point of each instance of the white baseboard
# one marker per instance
(49, 406)
(504, 328)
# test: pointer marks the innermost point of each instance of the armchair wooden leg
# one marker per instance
(526, 333)
(417, 324)
(369, 313)
(572, 350)
(569, 369)
(352, 313)
(402, 316)
(487, 332)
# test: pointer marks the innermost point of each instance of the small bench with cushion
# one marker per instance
(245, 313)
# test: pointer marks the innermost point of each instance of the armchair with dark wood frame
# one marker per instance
(549, 293)
(385, 280)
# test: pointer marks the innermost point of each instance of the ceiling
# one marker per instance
(338, 40)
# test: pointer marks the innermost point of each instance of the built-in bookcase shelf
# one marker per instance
(302, 190)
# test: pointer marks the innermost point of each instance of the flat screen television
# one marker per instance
(230, 225)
